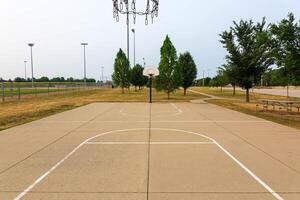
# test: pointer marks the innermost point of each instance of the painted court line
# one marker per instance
(254, 176)
(144, 143)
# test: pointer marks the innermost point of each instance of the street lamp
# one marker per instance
(25, 65)
(84, 61)
(31, 46)
(102, 78)
(133, 31)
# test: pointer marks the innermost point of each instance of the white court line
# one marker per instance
(168, 121)
(178, 112)
(143, 143)
(178, 109)
(255, 177)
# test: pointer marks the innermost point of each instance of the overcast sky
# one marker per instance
(57, 27)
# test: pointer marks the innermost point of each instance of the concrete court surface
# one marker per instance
(138, 151)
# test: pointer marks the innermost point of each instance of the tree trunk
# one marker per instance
(233, 90)
(184, 92)
(247, 95)
(221, 89)
(135, 88)
(168, 95)
(287, 91)
(122, 90)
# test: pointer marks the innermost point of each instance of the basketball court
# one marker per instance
(160, 151)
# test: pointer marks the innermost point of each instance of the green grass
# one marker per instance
(238, 103)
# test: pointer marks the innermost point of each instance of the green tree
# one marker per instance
(137, 77)
(121, 75)
(286, 37)
(188, 70)
(232, 75)
(169, 78)
(222, 79)
(249, 49)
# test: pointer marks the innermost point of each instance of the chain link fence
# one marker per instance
(15, 91)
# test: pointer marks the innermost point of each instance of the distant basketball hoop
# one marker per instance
(150, 72)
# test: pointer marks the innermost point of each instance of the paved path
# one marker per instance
(137, 151)
(280, 92)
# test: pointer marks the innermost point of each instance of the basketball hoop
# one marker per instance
(150, 72)
(123, 7)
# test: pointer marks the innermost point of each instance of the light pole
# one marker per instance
(203, 79)
(84, 61)
(102, 79)
(31, 56)
(25, 65)
(133, 31)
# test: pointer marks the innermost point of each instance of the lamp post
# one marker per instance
(31, 57)
(25, 66)
(102, 78)
(84, 61)
(133, 31)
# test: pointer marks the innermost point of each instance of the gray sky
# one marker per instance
(57, 27)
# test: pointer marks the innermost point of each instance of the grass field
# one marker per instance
(18, 112)
(238, 103)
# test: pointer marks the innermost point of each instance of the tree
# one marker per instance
(221, 80)
(169, 78)
(137, 77)
(231, 73)
(188, 70)
(121, 75)
(286, 36)
(249, 51)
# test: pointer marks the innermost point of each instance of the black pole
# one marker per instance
(150, 88)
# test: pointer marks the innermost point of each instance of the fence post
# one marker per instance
(35, 91)
(48, 89)
(3, 92)
(19, 92)
(11, 89)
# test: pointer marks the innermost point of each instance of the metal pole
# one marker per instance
(150, 88)
(102, 75)
(144, 62)
(133, 31)
(127, 11)
(25, 63)
(203, 79)
(32, 81)
(84, 55)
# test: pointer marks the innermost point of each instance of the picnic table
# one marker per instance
(285, 103)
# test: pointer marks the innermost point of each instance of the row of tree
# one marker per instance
(254, 48)
(174, 71)
(46, 79)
